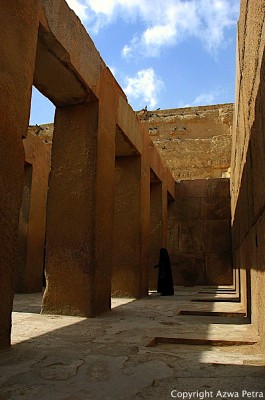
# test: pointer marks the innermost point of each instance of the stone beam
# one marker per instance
(62, 26)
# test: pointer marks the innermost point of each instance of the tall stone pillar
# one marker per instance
(70, 235)
(165, 206)
(104, 195)
(156, 230)
(145, 215)
(126, 261)
(18, 31)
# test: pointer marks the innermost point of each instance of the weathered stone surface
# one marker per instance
(70, 214)
(187, 208)
(188, 268)
(126, 231)
(215, 208)
(44, 132)
(19, 27)
(190, 236)
(48, 37)
(73, 358)
(73, 48)
(248, 160)
(199, 232)
(192, 188)
(218, 268)
(32, 223)
(217, 234)
(195, 143)
(156, 230)
(218, 188)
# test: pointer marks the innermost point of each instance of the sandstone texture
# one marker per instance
(44, 132)
(44, 44)
(120, 185)
(199, 237)
(19, 31)
(109, 357)
(32, 220)
(194, 142)
(248, 160)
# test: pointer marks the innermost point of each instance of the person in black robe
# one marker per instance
(165, 279)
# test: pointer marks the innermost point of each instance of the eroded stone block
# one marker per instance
(188, 269)
(217, 234)
(215, 208)
(190, 236)
(194, 188)
(219, 269)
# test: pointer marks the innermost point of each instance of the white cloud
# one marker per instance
(166, 22)
(79, 8)
(204, 99)
(126, 51)
(206, 20)
(175, 22)
(144, 86)
(216, 16)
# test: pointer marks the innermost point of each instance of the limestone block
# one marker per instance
(19, 30)
(188, 269)
(187, 208)
(195, 143)
(29, 271)
(70, 238)
(190, 236)
(250, 67)
(193, 188)
(218, 187)
(215, 208)
(173, 236)
(258, 160)
(219, 268)
(217, 233)
(127, 225)
(66, 28)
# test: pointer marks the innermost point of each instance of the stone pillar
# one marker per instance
(165, 205)
(23, 230)
(70, 235)
(145, 214)
(126, 262)
(156, 231)
(32, 226)
(104, 196)
(19, 28)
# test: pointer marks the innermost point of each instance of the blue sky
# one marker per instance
(163, 53)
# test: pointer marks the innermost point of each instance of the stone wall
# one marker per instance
(248, 159)
(199, 233)
(194, 142)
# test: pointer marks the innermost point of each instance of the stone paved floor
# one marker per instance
(71, 358)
